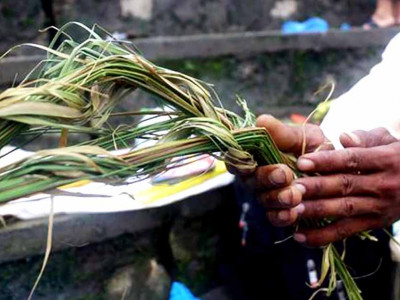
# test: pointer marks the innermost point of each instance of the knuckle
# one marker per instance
(347, 184)
(385, 135)
(342, 232)
(352, 160)
(359, 132)
(379, 133)
(362, 135)
(348, 207)
(313, 135)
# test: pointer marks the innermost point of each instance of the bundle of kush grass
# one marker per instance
(76, 90)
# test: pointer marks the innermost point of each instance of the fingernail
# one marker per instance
(356, 140)
(285, 197)
(277, 177)
(300, 209)
(300, 238)
(283, 215)
(301, 188)
(305, 164)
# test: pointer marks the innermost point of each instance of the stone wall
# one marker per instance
(20, 20)
(175, 17)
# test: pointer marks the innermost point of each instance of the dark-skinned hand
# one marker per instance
(359, 186)
(274, 184)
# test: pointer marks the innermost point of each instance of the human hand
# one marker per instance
(359, 186)
(274, 184)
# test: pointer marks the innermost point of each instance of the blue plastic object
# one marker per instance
(311, 25)
(345, 27)
(180, 292)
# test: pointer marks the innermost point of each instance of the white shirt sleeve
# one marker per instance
(372, 102)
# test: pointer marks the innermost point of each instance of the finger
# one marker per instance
(347, 160)
(340, 207)
(287, 197)
(285, 217)
(290, 138)
(366, 139)
(342, 184)
(272, 176)
(337, 231)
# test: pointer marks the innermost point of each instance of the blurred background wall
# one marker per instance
(20, 20)
(269, 81)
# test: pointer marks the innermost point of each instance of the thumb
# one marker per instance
(290, 138)
(367, 139)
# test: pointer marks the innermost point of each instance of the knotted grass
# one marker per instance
(76, 91)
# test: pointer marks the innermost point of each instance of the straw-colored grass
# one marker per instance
(76, 91)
